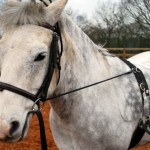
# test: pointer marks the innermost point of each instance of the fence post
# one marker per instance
(124, 53)
(127, 52)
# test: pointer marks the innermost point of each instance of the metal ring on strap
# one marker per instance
(142, 87)
(37, 102)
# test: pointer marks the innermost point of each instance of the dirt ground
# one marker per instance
(32, 142)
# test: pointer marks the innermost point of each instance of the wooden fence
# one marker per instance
(127, 52)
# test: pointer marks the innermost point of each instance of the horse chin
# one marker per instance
(19, 136)
(25, 129)
(12, 139)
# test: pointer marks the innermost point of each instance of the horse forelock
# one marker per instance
(21, 13)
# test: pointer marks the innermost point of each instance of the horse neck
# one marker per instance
(81, 63)
(80, 52)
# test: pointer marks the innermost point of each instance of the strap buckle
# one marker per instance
(136, 70)
(143, 88)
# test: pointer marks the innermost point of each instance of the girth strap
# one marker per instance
(139, 132)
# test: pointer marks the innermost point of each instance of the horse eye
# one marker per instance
(40, 57)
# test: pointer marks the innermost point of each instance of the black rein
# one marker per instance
(41, 95)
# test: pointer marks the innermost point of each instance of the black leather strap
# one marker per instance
(9, 87)
(42, 130)
(139, 132)
(138, 75)
(136, 137)
(42, 92)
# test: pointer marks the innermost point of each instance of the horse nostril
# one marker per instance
(14, 127)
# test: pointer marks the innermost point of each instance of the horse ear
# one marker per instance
(54, 10)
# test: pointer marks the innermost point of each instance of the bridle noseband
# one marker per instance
(53, 62)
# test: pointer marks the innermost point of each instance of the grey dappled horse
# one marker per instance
(102, 117)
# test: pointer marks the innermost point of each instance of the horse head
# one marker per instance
(24, 56)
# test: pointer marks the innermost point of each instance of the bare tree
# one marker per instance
(139, 12)
(110, 24)
(118, 24)
(105, 15)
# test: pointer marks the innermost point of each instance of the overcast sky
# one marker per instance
(82, 5)
(86, 6)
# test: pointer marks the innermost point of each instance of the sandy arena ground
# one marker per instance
(32, 142)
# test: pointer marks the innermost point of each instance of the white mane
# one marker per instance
(80, 37)
(20, 13)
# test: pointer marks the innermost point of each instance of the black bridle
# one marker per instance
(54, 62)
(41, 95)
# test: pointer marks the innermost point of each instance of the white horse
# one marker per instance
(102, 117)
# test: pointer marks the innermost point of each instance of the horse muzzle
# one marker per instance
(9, 130)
